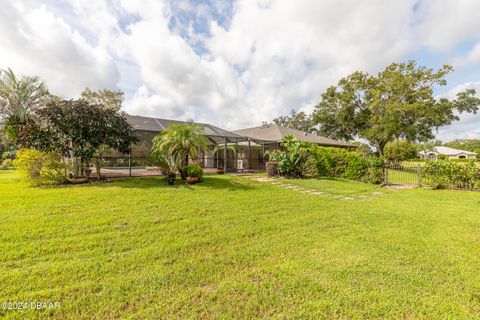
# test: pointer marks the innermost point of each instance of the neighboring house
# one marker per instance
(446, 153)
(275, 132)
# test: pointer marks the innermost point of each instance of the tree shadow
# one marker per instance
(159, 182)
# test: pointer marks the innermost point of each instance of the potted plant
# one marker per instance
(194, 173)
(219, 149)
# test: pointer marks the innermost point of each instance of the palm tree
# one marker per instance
(20, 97)
(187, 139)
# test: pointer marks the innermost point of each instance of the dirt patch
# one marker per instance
(400, 186)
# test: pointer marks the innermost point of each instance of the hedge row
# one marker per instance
(299, 159)
(448, 174)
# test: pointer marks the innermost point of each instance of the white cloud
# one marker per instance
(468, 126)
(268, 57)
(445, 23)
(273, 56)
(36, 42)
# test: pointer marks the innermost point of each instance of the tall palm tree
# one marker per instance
(20, 97)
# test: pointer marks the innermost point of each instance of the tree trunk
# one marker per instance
(380, 145)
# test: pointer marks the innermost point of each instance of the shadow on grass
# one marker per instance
(209, 182)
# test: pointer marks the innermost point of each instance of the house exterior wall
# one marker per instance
(459, 156)
(436, 156)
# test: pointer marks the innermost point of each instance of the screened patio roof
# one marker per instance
(215, 134)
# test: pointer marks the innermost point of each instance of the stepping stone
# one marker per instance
(377, 193)
(319, 193)
(347, 198)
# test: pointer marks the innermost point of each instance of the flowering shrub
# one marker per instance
(40, 168)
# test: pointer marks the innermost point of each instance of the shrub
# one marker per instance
(400, 150)
(341, 163)
(292, 162)
(194, 170)
(6, 155)
(445, 174)
(6, 164)
(375, 170)
(183, 172)
(300, 159)
(40, 168)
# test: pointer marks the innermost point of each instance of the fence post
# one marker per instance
(419, 176)
(385, 174)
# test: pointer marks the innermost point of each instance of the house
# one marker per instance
(446, 153)
(245, 148)
(275, 132)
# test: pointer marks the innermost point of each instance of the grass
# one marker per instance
(235, 248)
(402, 177)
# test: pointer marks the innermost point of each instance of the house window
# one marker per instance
(431, 156)
(462, 157)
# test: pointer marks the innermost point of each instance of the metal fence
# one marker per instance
(403, 174)
(410, 174)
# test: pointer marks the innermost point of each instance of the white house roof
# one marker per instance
(448, 151)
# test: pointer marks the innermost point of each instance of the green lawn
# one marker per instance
(403, 176)
(231, 247)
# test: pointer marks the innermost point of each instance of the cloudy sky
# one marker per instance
(235, 63)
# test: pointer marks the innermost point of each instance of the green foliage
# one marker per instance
(341, 163)
(173, 147)
(301, 158)
(11, 131)
(194, 170)
(6, 155)
(398, 102)
(186, 139)
(40, 168)
(79, 128)
(6, 164)
(400, 150)
(109, 100)
(297, 120)
(19, 98)
(363, 149)
(450, 174)
(292, 161)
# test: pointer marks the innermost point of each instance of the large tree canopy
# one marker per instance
(111, 100)
(297, 120)
(397, 103)
(78, 128)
